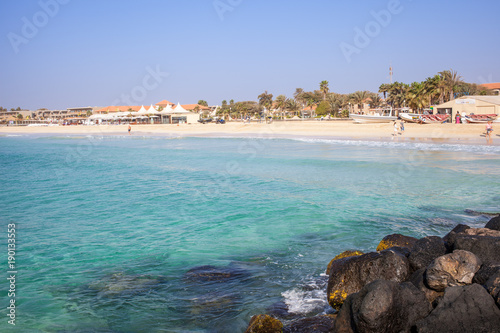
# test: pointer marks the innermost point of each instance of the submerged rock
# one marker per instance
(215, 274)
(264, 324)
(425, 251)
(454, 269)
(120, 284)
(463, 309)
(396, 240)
(349, 275)
(383, 306)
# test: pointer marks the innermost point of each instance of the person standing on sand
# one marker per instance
(457, 118)
(489, 129)
(402, 127)
(395, 129)
(129, 129)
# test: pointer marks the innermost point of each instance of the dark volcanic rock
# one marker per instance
(463, 309)
(454, 269)
(264, 324)
(349, 275)
(396, 240)
(425, 251)
(318, 324)
(345, 254)
(449, 239)
(494, 223)
(486, 248)
(485, 232)
(485, 272)
(418, 281)
(383, 306)
(493, 287)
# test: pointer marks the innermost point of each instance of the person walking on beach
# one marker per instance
(129, 129)
(395, 129)
(402, 127)
(489, 129)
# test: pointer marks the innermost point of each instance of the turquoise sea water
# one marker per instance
(108, 228)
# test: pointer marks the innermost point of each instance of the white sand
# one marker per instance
(457, 133)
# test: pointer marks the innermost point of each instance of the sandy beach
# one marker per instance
(452, 133)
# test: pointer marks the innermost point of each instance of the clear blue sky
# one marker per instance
(95, 52)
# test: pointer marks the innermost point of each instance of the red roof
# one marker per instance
(164, 103)
(118, 108)
(190, 107)
(491, 85)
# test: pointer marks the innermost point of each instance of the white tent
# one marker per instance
(152, 110)
(180, 109)
(142, 111)
(167, 110)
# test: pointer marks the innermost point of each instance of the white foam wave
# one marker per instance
(305, 301)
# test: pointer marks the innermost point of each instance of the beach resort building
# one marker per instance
(492, 86)
(475, 105)
(160, 113)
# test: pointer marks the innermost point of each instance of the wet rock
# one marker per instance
(318, 324)
(486, 248)
(345, 254)
(449, 239)
(493, 286)
(264, 324)
(383, 306)
(482, 232)
(120, 284)
(349, 275)
(463, 309)
(485, 272)
(418, 280)
(215, 274)
(454, 269)
(425, 251)
(494, 223)
(396, 240)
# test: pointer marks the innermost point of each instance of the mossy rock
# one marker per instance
(345, 254)
(264, 324)
(396, 240)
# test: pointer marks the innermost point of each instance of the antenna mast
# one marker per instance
(390, 72)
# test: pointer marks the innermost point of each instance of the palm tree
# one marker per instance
(376, 101)
(266, 100)
(280, 103)
(397, 95)
(384, 89)
(451, 80)
(323, 87)
(417, 95)
(299, 96)
(359, 98)
(292, 106)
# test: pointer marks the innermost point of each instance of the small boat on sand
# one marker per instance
(376, 117)
(480, 118)
(424, 118)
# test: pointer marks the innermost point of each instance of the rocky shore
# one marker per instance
(432, 284)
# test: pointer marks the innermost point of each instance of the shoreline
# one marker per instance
(466, 134)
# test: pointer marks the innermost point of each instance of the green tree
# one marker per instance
(298, 95)
(451, 81)
(323, 87)
(293, 106)
(359, 98)
(266, 100)
(280, 103)
(20, 116)
(202, 102)
(323, 108)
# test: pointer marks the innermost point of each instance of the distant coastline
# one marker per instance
(429, 133)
